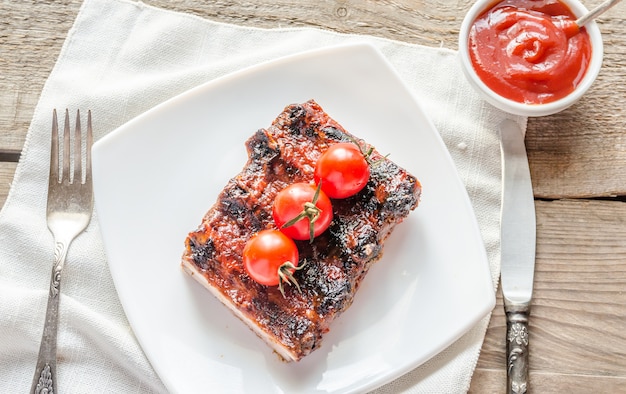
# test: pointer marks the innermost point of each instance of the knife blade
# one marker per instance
(517, 248)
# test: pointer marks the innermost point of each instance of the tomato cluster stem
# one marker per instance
(310, 211)
(286, 276)
(367, 154)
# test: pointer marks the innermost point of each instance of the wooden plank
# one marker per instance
(578, 153)
(494, 381)
(31, 38)
(11, 155)
(6, 177)
(435, 23)
(581, 152)
(579, 303)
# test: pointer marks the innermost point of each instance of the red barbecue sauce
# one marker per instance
(529, 51)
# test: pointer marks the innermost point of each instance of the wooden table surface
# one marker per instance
(577, 161)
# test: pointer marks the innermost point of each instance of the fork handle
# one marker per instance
(45, 378)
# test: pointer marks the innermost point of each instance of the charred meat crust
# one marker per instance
(336, 262)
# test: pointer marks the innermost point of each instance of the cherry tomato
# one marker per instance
(342, 170)
(302, 211)
(268, 253)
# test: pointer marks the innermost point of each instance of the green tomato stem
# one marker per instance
(285, 276)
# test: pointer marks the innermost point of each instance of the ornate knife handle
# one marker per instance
(517, 348)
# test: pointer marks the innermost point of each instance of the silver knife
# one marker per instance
(518, 236)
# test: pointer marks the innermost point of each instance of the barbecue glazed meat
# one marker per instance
(337, 260)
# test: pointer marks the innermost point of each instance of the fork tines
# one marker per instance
(74, 157)
(68, 212)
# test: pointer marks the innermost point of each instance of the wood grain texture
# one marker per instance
(581, 152)
(579, 309)
(489, 381)
(562, 163)
(6, 177)
(31, 36)
(579, 303)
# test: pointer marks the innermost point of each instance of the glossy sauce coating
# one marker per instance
(527, 50)
(337, 260)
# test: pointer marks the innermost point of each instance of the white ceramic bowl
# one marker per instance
(523, 109)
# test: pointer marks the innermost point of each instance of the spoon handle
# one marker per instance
(596, 12)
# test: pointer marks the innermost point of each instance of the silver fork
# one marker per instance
(70, 202)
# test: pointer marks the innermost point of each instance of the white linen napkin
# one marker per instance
(120, 59)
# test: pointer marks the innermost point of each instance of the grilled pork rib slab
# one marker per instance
(336, 262)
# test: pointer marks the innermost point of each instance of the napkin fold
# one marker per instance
(121, 58)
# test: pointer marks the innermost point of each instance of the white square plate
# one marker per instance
(157, 175)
